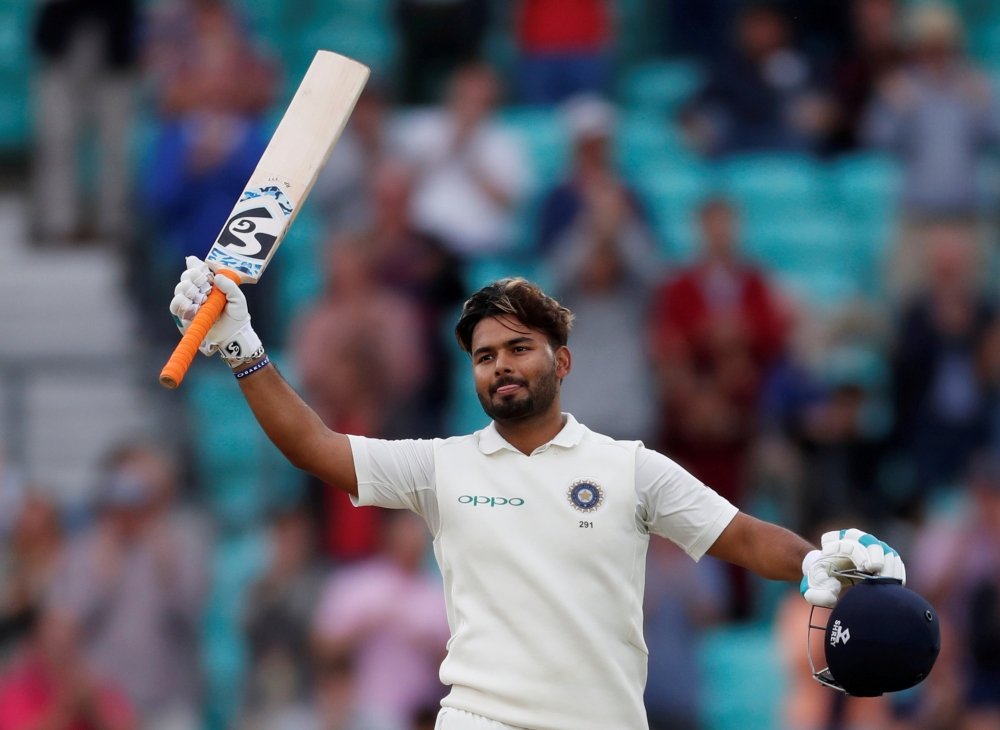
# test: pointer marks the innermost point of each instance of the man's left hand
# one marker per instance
(845, 550)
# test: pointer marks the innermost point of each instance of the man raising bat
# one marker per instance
(540, 525)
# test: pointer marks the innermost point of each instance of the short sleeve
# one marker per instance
(675, 505)
(396, 475)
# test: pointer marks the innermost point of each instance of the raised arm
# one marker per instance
(286, 419)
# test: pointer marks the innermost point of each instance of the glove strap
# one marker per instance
(242, 348)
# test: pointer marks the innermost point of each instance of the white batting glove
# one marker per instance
(844, 550)
(232, 334)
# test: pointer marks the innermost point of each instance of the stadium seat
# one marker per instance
(546, 140)
(744, 679)
(673, 194)
(768, 187)
(302, 267)
(647, 141)
(808, 243)
(242, 473)
(821, 291)
(15, 114)
(661, 86)
(370, 43)
(374, 11)
(984, 43)
(237, 561)
(867, 185)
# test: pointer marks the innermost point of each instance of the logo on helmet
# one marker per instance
(839, 633)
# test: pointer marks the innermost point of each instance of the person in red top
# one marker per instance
(716, 328)
(51, 688)
(565, 48)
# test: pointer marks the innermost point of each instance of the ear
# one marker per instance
(564, 362)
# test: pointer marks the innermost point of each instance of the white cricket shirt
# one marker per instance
(543, 559)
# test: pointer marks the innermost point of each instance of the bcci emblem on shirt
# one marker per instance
(585, 495)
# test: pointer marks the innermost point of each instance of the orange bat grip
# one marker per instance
(173, 372)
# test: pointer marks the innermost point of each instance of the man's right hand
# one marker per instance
(232, 334)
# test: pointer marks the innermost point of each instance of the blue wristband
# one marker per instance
(253, 368)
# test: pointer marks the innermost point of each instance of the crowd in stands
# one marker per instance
(881, 412)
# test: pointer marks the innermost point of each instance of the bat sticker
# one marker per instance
(270, 191)
(255, 226)
(225, 261)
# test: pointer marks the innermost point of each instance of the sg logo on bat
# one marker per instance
(253, 229)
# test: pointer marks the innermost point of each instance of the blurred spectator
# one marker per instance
(136, 582)
(277, 617)
(716, 328)
(809, 705)
(956, 564)
(88, 52)
(202, 60)
(437, 38)
(471, 173)
(604, 267)
(389, 615)
(844, 435)
(28, 563)
(418, 267)
(875, 54)
(213, 90)
(359, 351)
(565, 46)
(941, 404)
(591, 124)
(761, 97)
(52, 687)
(343, 190)
(697, 28)
(822, 28)
(682, 598)
(361, 356)
(937, 114)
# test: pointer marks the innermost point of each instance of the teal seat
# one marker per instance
(236, 563)
(662, 86)
(647, 141)
(808, 244)
(770, 186)
(15, 37)
(15, 114)
(984, 43)
(545, 138)
(823, 291)
(302, 267)
(673, 194)
(242, 473)
(372, 11)
(867, 185)
(743, 679)
(369, 43)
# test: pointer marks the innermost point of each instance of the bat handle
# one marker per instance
(173, 372)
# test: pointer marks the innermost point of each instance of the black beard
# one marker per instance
(540, 397)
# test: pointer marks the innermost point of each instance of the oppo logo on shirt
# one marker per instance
(490, 501)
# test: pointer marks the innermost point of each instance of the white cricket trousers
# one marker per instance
(451, 719)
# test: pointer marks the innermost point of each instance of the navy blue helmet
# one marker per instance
(881, 637)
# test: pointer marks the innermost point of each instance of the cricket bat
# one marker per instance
(287, 170)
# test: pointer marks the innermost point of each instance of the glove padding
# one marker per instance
(844, 550)
(232, 334)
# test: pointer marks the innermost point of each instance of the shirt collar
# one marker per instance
(490, 440)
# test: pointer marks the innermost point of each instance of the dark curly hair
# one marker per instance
(518, 298)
